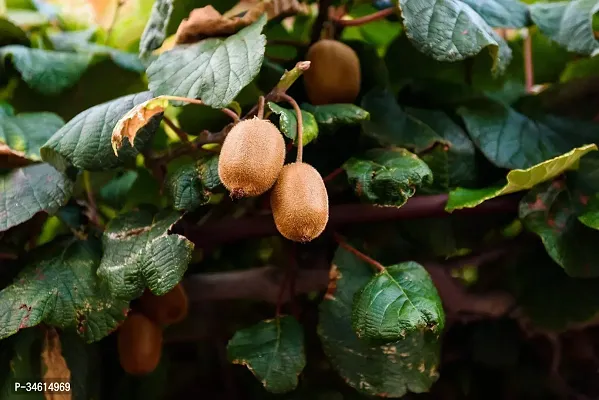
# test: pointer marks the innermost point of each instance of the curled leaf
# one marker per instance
(135, 119)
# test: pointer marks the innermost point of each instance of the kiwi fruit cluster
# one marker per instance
(334, 75)
(139, 338)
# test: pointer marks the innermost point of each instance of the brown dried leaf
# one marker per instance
(135, 119)
(207, 22)
(55, 366)
(10, 158)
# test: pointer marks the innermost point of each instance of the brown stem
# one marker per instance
(206, 137)
(282, 288)
(323, 14)
(528, 66)
(232, 229)
(180, 133)
(377, 265)
(382, 14)
(119, 4)
(261, 107)
(300, 125)
(91, 200)
(333, 174)
(230, 113)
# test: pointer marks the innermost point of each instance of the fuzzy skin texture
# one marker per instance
(300, 203)
(251, 158)
(334, 74)
(139, 344)
(167, 309)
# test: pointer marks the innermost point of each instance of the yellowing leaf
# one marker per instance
(135, 119)
(518, 180)
(54, 366)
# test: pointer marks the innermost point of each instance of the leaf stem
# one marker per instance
(377, 265)
(300, 125)
(91, 201)
(230, 113)
(333, 174)
(321, 18)
(261, 107)
(528, 66)
(180, 133)
(382, 14)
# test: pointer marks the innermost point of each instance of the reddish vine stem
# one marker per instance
(282, 287)
(230, 113)
(300, 125)
(180, 132)
(321, 18)
(333, 174)
(528, 66)
(374, 263)
(382, 14)
(261, 107)
(91, 201)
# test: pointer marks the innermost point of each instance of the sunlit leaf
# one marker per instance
(288, 123)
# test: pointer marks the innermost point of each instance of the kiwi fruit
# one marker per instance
(300, 203)
(166, 309)
(139, 344)
(251, 158)
(334, 74)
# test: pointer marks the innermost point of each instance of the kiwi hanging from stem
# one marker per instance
(300, 126)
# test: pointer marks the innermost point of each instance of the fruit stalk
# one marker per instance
(300, 125)
(261, 107)
(367, 18)
(370, 261)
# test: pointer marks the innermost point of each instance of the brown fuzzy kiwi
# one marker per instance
(167, 309)
(139, 344)
(334, 75)
(251, 158)
(300, 203)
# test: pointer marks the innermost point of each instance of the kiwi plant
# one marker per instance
(318, 199)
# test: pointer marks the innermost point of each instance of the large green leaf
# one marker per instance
(59, 287)
(389, 370)
(141, 251)
(396, 302)
(214, 70)
(22, 135)
(273, 350)
(28, 190)
(517, 180)
(333, 115)
(389, 124)
(288, 123)
(191, 185)
(387, 176)
(552, 211)
(10, 33)
(512, 140)
(450, 30)
(155, 30)
(115, 192)
(23, 364)
(47, 72)
(501, 13)
(85, 141)
(569, 23)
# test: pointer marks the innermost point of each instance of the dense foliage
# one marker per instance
(458, 257)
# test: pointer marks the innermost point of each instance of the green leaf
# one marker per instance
(581, 68)
(155, 30)
(389, 370)
(389, 124)
(115, 192)
(214, 70)
(47, 72)
(453, 160)
(141, 251)
(569, 23)
(25, 133)
(551, 211)
(332, 115)
(590, 216)
(26, 191)
(518, 180)
(85, 141)
(273, 350)
(191, 185)
(59, 287)
(10, 33)
(501, 13)
(23, 364)
(398, 301)
(387, 176)
(449, 30)
(288, 123)
(512, 140)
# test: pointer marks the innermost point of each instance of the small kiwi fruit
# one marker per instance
(167, 309)
(251, 158)
(139, 344)
(300, 203)
(334, 75)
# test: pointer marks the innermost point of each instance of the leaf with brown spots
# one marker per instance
(389, 370)
(59, 287)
